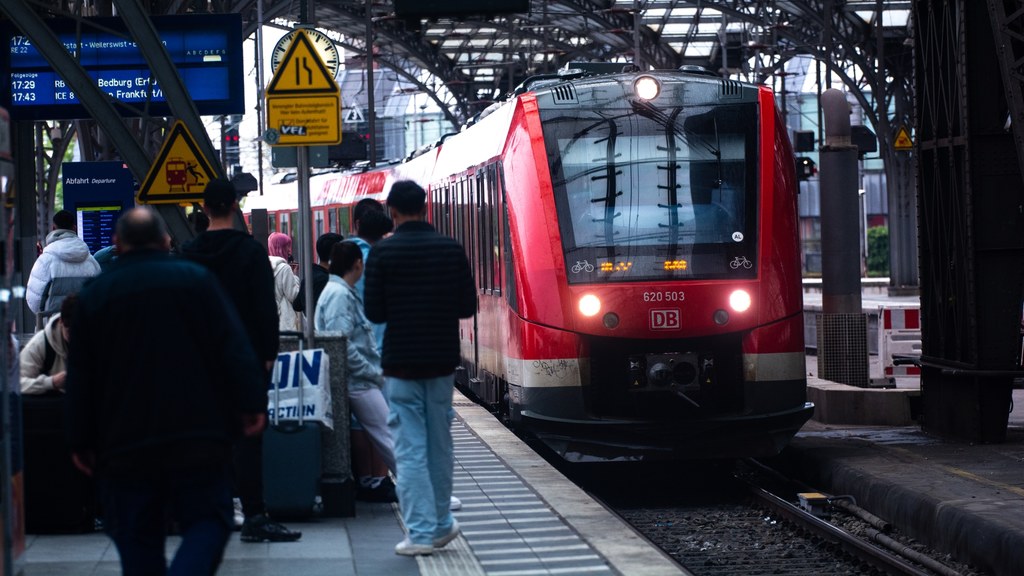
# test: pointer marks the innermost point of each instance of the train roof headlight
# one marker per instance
(646, 88)
(590, 305)
(740, 301)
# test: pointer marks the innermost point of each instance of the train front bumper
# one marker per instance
(727, 436)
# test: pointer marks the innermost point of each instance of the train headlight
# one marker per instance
(590, 305)
(646, 88)
(740, 301)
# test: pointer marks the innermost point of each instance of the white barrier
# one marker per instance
(899, 333)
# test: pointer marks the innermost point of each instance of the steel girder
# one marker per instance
(972, 232)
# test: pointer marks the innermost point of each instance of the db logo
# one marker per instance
(666, 319)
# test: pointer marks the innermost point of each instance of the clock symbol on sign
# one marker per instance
(324, 46)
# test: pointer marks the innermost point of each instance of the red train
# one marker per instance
(634, 240)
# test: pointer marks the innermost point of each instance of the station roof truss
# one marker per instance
(478, 61)
(466, 64)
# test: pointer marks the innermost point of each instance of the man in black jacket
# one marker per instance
(420, 283)
(243, 268)
(161, 380)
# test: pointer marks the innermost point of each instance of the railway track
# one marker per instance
(743, 522)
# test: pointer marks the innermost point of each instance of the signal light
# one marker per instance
(805, 168)
(646, 88)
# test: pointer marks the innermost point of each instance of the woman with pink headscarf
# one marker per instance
(286, 283)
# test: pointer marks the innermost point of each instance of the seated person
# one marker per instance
(44, 358)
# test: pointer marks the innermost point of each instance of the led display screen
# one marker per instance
(206, 50)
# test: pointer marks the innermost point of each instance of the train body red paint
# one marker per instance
(637, 261)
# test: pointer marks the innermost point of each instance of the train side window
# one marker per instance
(344, 226)
(292, 223)
(332, 221)
(272, 221)
(457, 213)
(318, 222)
(448, 209)
(510, 276)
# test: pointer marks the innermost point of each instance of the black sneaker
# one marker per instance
(261, 528)
(384, 492)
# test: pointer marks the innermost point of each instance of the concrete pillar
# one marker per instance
(842, 326)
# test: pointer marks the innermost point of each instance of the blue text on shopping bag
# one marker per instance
(294, 369)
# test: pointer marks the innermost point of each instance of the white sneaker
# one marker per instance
(239, 517)
(407, 548)
(455, 504)
(452, 534)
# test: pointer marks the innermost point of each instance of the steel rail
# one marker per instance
(866, 551)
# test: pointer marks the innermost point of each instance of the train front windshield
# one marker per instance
(649, 193)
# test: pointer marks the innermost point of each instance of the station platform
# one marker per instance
(960, 498)
(519, 517)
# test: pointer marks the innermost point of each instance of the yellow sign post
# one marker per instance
(303, 101)
(180, 173)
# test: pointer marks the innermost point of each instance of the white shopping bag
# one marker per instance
(301, 376)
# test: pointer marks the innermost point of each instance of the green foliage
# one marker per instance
(878, 251)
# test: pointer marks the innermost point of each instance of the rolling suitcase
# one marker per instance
(291, 460)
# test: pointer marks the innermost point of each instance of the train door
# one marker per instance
(474, 207)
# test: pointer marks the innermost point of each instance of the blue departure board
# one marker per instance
(97, 192)
(96, 224)
(206, 49)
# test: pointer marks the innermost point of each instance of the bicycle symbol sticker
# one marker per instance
(740, 261)
(582, 266)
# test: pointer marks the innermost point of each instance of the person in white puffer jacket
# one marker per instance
(64, 255)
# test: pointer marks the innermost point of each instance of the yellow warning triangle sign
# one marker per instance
(903, 141)
(302, 71)
(180, 173)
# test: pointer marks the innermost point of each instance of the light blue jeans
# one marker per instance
(420, 424)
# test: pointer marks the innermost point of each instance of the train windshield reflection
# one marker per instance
(643, 187)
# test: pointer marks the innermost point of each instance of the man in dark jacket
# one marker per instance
(161, 380)
(420, 283)
(243, 268)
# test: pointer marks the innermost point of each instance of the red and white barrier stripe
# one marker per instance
(899, 332)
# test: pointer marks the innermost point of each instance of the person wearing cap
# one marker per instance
(243, 268)
(420, 283)
(155, 426)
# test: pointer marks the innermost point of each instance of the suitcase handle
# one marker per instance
(298, 379)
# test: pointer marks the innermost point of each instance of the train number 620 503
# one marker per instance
(665, 296)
